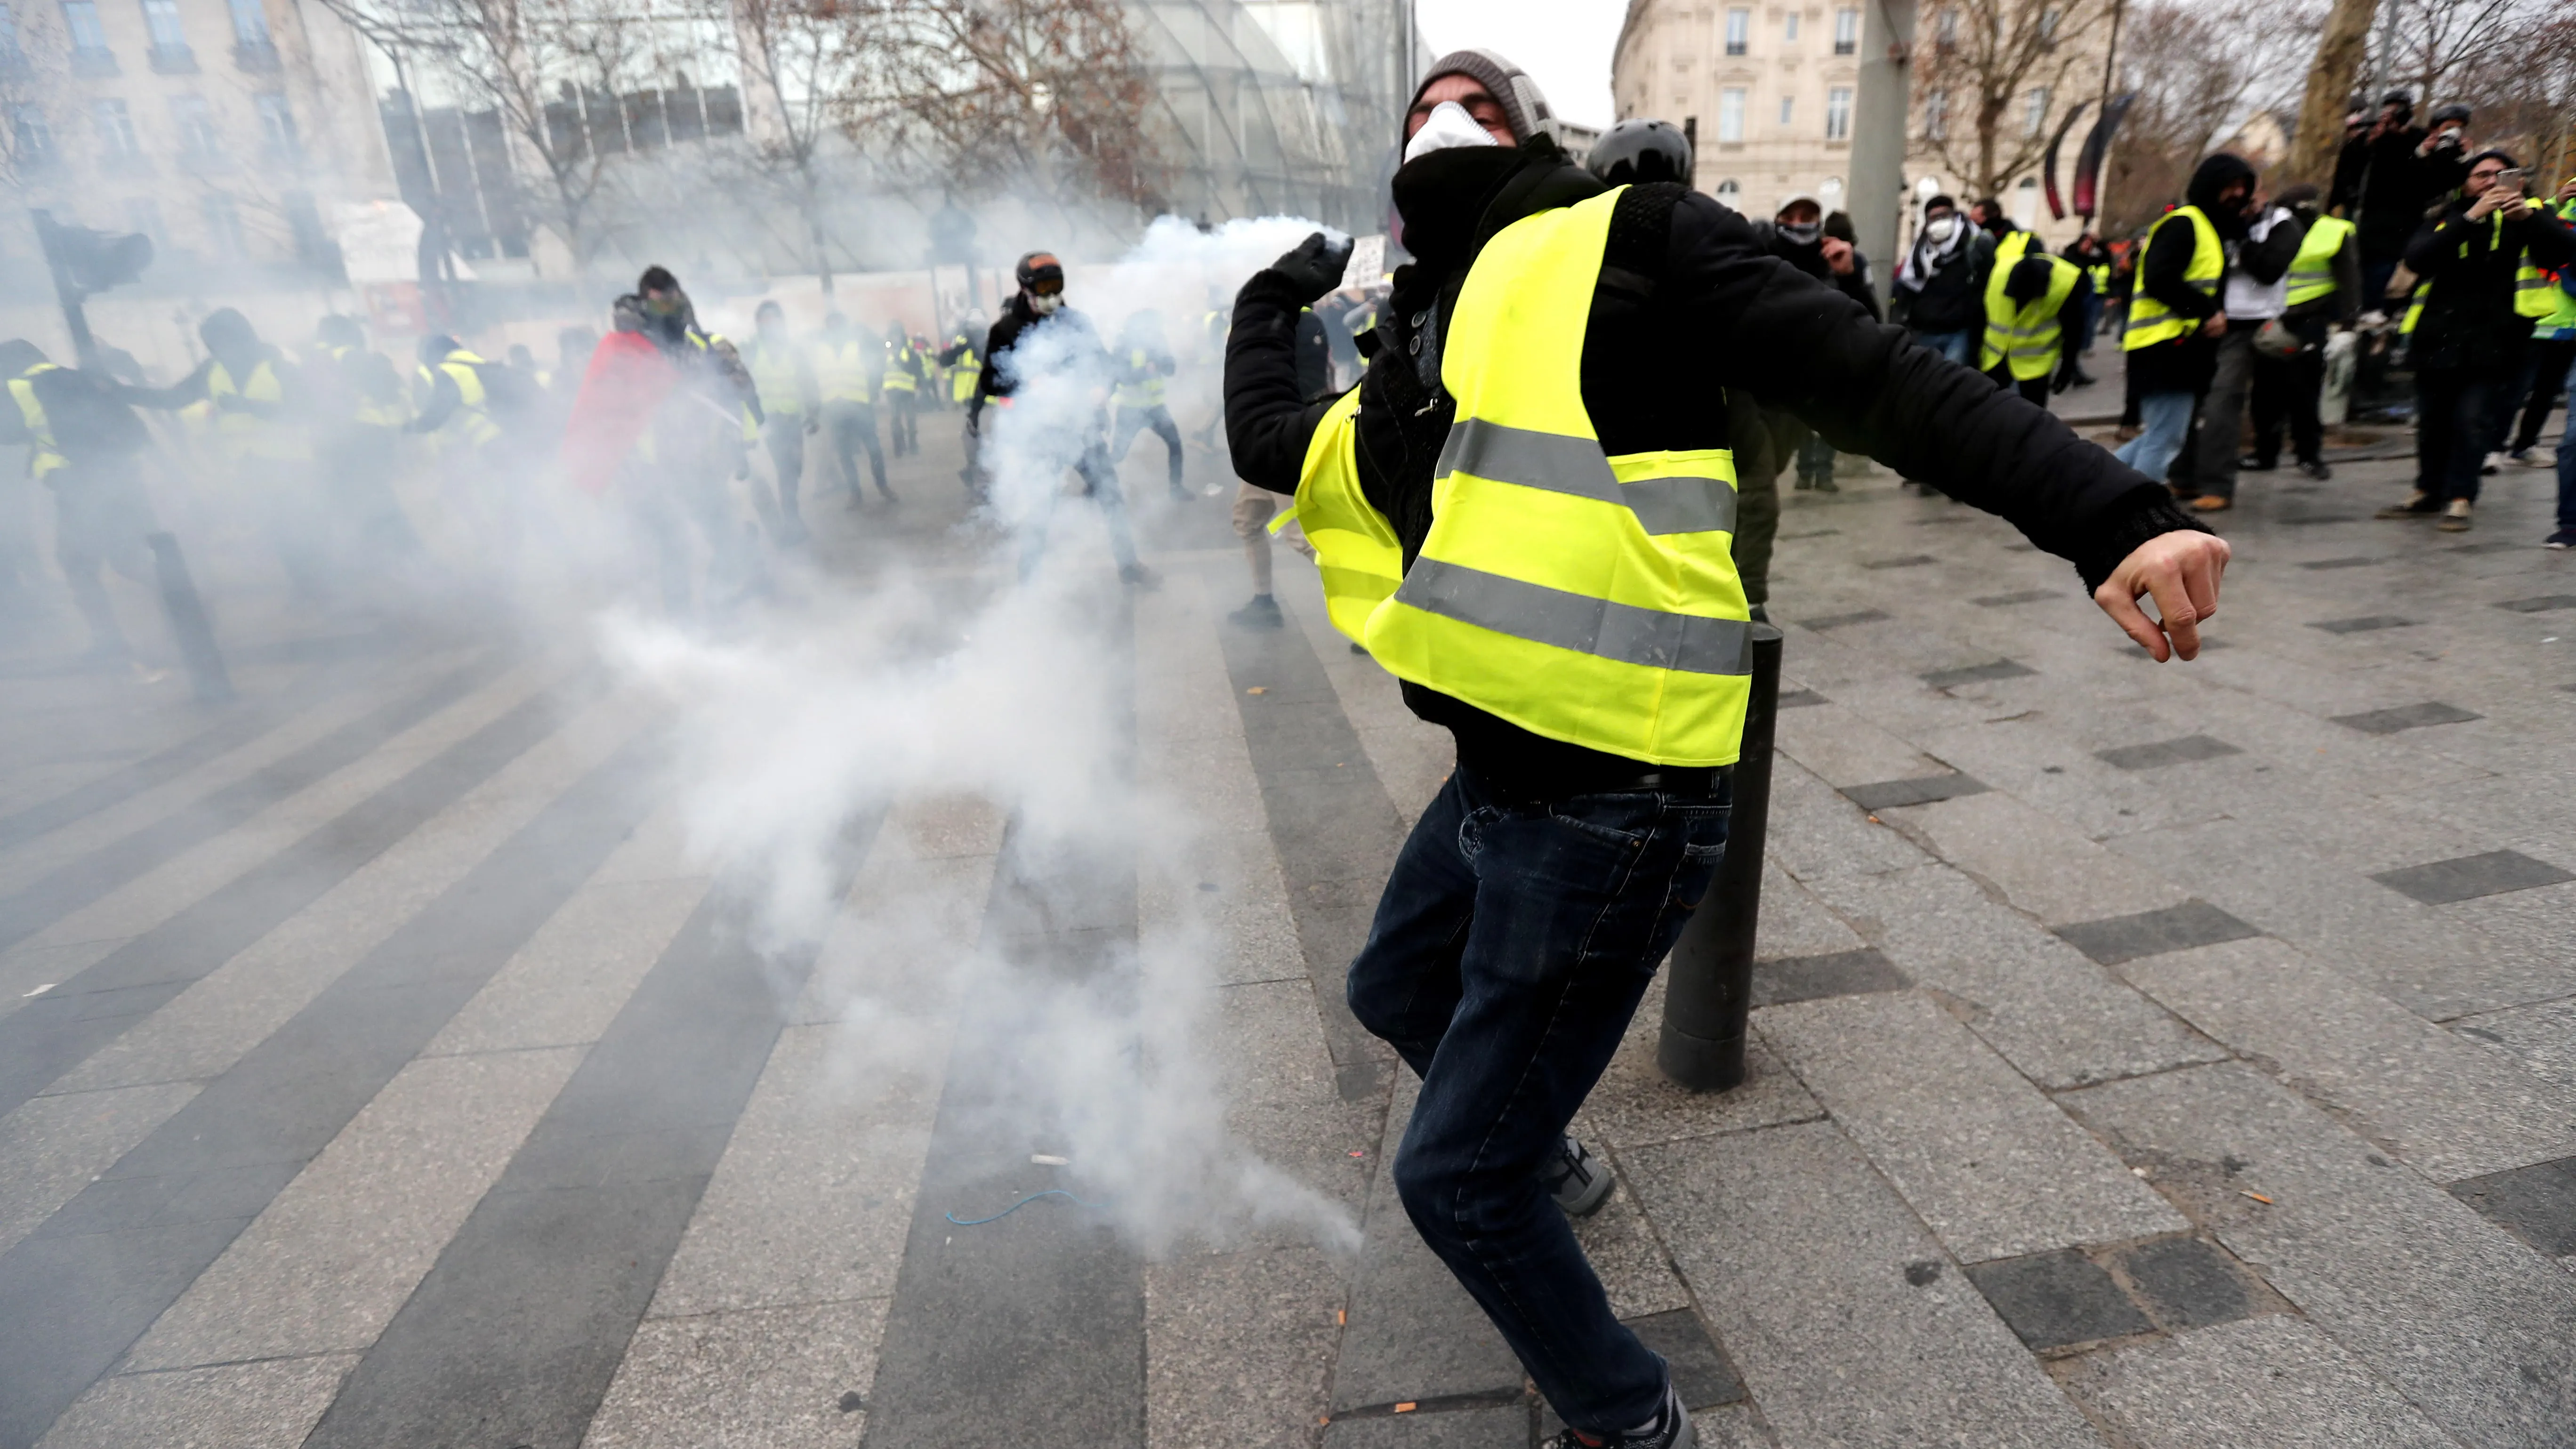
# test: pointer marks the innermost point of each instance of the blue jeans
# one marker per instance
(1508, 953)
(2567, 462)
(2164, 419)
(1960, 346)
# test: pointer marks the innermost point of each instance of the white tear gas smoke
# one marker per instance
(1024, 703)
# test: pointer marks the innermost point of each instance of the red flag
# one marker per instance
(627, 379)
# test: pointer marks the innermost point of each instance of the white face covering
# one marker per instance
(1044, 305)
(1448, 125)
(1942, 228)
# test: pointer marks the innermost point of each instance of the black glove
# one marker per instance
(1315, 266)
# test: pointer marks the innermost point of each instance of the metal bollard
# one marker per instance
(188, 624)
(1708, 985)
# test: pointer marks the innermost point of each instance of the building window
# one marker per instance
(2036, 106)
(250, 22)
(1787, 104)
(1846, 32)
(35, 138)
(1739, 30)
(1728, 193)
(277, 128)
(1838, 102)
(8, 34)
(169, 50)
(223, 226)
(1936, 115)
(90, 55)
(1730, 115)
(198, 138)
(1789, 29)
(115, 124)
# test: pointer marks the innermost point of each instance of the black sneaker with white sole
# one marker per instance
(1671, 1430)
(1579, 1181)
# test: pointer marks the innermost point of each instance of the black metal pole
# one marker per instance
(188, 623)
(1708, 985)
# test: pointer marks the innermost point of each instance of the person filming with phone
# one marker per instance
(2483, 261)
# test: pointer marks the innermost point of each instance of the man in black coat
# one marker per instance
(85, 445)
(1509, 1031)
(1064, 357)
(2467, 347)
(1940, 292)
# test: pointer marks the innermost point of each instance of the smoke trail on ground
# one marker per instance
(919, 686)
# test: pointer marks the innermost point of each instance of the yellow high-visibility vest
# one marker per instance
(773, 374)
(841, 370)
(2534, 290)
(2151, 321)
(2312, 273)
(969, 368)
(1583, 597)
(1142, 386)
(46, 455)
(472, 419)
(899, 378)
(2027, 336)
(369, 411)
(240, 435)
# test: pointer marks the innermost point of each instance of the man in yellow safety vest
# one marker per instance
(1144, 363)
(783, 373)
(964, 359)
(2550, 355)
(2170, 342)
(1523, 512)
(848, 364)
(83, 443)
(2324, 291)
(903, 380)
(262, 414)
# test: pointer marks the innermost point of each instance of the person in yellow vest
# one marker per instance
(783, 372)
(83, 444)
(2324, 292)
(2481, 260)
(903, 380)
(2252, 295)
(2175, 321)
(2547, 359)
(262, 417)
(2034, 321)
(848, 365)
(360, 409)
(1144, 363)
(1522, 511)
(964, 359)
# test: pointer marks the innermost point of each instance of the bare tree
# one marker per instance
(551, 72)
(1991, 75)
(802, 62)
(2198, 70)
(2333, 77)
(1049, 94)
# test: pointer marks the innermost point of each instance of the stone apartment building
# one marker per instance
(1768, 92)
(225, 130)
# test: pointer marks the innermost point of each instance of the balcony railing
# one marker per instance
(259, 57)
(174, 60)
(93, 61)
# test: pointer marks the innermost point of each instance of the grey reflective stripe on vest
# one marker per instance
(1689, 643)
(1558, 463)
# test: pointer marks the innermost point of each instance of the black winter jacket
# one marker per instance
(1687, 306)
(2469, 322)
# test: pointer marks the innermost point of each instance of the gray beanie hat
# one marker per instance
(1524, 108)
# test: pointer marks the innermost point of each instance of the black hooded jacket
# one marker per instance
(1687, 305)
(2186, 363)
(2472, 268)
(1001, 372)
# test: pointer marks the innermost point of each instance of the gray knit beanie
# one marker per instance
(1524, 108)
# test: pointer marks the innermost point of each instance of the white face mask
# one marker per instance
(1941, 228)
(1046, 304)
(1448, 125)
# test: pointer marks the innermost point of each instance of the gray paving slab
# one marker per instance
(2040, 863)
(1851, 1327)
(1815, 832)
(1823, 622)
(2462, 1318)
(1991, 1165)
(1793, 922)
(1799, 699)
(1845, 749)
(2000, 669)
(2538, 603)
(2017, 596)
(2055, 1015)
(1264, 1045)
(2151, 933)
(2188, 1282)
(1890, 794)
(2405, 717)
(754, 1378)
(2469, 877)
(2059, 1299)
(2445, 1104)
(1701, 1374)
(1782, 979)
(1635, 1104)
(1487, 1426)
(2536, 1204)
(2437, 967)
(2362, 624)
(53, 1147)
(1413, 1334)
(235, 1404)
(2542, 1037)
(1238, 1347)
(1634, 1269)
(2274, 1381)
(2184, 751)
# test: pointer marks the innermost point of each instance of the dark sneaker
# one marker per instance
(2316, 470)
(2422, 505)
(1672, 1430)
(2563, 538)
(2256, 463)
(1137, 576)
(2455, 518)
(1579, 1181)
(1261, 613)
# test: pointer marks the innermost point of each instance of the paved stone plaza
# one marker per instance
(2174, 1057)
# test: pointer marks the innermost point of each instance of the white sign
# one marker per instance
(1368, 262)
(379, 240)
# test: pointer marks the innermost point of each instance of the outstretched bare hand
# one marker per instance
(2180, 570)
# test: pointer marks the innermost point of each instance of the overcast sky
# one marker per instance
(1563, 44)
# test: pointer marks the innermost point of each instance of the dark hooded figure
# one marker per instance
(1527, 912)
(2175, 318)
(84, 443)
